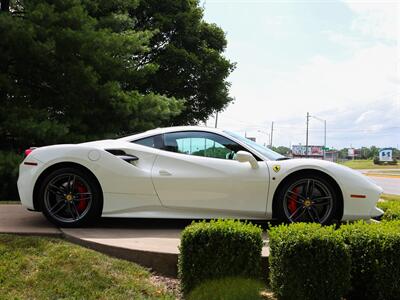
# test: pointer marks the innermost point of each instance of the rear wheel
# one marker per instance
(70, 198)
(308, 198)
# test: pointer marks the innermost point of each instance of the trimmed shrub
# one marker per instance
(231, 288)
(217, 249)
(9, 167)
(377, 161)
(391, 210)
(375, 255)
(308, 261)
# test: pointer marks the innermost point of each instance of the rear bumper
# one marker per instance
(28, 175)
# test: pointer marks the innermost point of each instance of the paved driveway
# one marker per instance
(389, 185)
(385, 179)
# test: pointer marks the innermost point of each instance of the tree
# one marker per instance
(75, 70)
(188, 52)
(374, 151)
(365, 153)
(396, 153)
(343, 153)
(281, 150)
(84, 69)
(68, 73)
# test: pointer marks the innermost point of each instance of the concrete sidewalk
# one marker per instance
(17, 220)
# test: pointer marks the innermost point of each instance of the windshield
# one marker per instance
(261, 149)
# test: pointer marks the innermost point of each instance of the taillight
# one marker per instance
(29, 151)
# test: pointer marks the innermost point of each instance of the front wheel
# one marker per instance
(307, 198)
(70, 198)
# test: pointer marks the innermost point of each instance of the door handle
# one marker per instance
(164, 173)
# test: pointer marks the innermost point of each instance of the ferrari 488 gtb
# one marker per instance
(189, 172)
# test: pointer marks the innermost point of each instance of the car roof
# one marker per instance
(170, 129)
(190, 128)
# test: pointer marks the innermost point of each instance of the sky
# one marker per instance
(337, 60)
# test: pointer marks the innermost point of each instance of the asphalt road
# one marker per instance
(390, 185)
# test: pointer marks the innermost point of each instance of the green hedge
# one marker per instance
(308, 261)
(217, 249)
(378, 162)
(9, 165)
(231, 288)
(391, 210)
(375, 255)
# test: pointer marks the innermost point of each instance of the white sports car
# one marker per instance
(189, 172)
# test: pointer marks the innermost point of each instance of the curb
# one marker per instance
(162, 263)
(37, 234)
(382, 175)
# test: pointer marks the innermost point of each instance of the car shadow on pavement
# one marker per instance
(151, 223)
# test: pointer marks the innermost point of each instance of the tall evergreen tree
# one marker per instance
(66, 75)
(75, 70)
(72, 70)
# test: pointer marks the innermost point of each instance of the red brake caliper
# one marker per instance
(82, 201)
(292, 204)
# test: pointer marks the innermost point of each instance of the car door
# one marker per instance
(197, 170)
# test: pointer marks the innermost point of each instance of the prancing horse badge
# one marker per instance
(276, 168)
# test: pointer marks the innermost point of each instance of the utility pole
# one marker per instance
(272, 134)
(308, 120)
(216, 119)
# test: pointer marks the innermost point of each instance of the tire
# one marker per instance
(307, 198)
(70, 197)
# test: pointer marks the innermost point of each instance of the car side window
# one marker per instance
(154, 141)
(200, 143)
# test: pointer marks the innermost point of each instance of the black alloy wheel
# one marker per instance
(70, 198)
(307, 199)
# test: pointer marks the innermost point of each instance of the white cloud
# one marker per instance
(348, 41)
(374, 123)
(332, 90)
(366, 116)
(359, 96)
(379, 19)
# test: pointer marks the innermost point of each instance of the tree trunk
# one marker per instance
(5, 5)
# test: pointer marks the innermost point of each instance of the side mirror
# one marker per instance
(244, 156)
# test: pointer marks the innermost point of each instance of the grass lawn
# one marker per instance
(367, 164)
(10, 202)
(45, 268)
(389, 197)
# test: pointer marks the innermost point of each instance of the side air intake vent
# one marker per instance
(122, 155)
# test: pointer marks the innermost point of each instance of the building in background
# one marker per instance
(313, 151)
(332, 155)
(353, 153)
